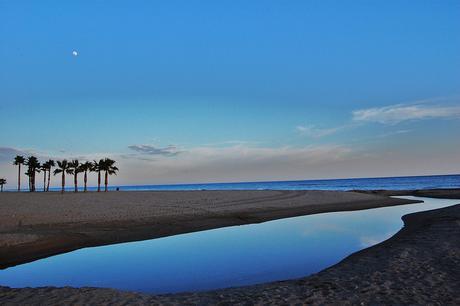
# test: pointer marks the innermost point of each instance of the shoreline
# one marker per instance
(439, 193)
(35, 226)
(418, 265)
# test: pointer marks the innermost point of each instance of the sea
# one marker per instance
(393, 183)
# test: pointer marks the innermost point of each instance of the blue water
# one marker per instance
(220, 258)
(394, 183)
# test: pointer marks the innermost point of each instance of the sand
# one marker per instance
(447, 193)
(37, 225)
(420, 265)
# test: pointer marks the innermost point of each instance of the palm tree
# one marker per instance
(85, 167)
(98, 167)
(28, 173)
(74, 167)
(18, 161)
(44, 168)
(63, 167)
(109, 168)
(33, 168)
(49, 164)
(2, 182)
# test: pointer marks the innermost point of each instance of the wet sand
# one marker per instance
(38, 225)
(452, 193)
(420, 265)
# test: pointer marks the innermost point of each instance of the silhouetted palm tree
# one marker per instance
(33, 168)
(109, 168)
(98, 167)
(2, 182)
(44, 169)
(18, 161)
(74, 167)
(28, 173)
(49, 164)
(85, 167)
(63, 167)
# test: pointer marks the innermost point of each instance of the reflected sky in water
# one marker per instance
(227, 257)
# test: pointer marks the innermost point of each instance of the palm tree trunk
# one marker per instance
(75, 181)
(44, 180)
(1, 188)
(49, 176)
(63, 181)
(33, 180)
(86, 180)
(98, 181)
(106, 180)
(19, 178)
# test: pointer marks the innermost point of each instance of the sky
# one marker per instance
(223, 91)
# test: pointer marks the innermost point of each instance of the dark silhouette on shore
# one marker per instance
(97, 167)
(18, 161)
(2, 182)
(64, 167)
(74, 168)
(46, 167)
(33, 167)
(108, 165)
(85, 168)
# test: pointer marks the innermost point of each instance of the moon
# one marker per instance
(74, 53)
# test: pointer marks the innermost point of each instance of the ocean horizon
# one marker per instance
(372, 183)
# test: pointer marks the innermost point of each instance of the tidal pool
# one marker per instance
(226, 257)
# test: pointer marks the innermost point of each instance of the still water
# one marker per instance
(226, 257)
(391, 183)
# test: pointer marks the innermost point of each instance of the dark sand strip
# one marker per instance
(452, 193)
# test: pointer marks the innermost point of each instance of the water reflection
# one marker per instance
(233, 256)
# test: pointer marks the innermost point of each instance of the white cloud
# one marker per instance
(309, 153)
(253, 163)
(233, 143)
(394, 114)
(233, 163)
(368, 241)
(314, 132)
(393, 133)
(248, 155)
(237, 162)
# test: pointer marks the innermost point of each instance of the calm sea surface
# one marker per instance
(395, 183)
(226, 257)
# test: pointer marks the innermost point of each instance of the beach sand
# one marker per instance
(447, 193)
(37, 225)
(420, 265)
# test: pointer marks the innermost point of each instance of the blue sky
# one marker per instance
(193, 91)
